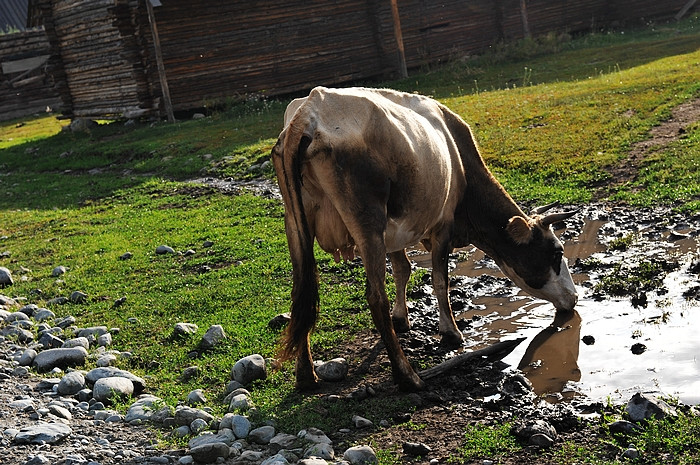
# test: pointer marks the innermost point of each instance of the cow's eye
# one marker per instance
(556, 263)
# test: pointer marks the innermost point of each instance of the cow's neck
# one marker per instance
(486, 207)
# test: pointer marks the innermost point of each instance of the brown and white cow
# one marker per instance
(376, 171)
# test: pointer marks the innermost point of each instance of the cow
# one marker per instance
(375, 171)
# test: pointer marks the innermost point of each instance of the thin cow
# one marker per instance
(375, 171)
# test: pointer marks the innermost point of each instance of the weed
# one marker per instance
(482, 441)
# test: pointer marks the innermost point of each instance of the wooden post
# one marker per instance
(159, 61)
(523, 15)
(403, 71)
(684, 10)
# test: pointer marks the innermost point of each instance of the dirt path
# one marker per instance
(660, 137)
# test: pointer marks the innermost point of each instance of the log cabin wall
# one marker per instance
(26, 86)
(215, 51)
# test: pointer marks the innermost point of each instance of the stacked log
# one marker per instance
(27, 92)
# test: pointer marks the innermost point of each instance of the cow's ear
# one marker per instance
(519, 229)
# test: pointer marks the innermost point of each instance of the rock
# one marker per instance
(5, 277)
(21, 335)
(60, 412)
(416, 449)
(181, 431)
(196, 397)
(27, 357)
(186, 415)
(623, 427)
(283, 441)
(37, 459)
(312, 461)
(321, 450)
(214, 335)
(638, 348)
(279, 321)
(277, 459)
(528, 428)
(225, 436)
(332, 370)
(107, 372)
(106, 360)
(143, 409)
(198, 425)
(43, 433)
(94, 331)
(164, 249)
(642, 407)
(184, 329)
(78, 297)
(189, 373)
(61, 358)
(126, 256)
(361, 422)
(240, 402)
(249, 369)
(71, 383)
(261, 435)
(43, 314)
(360, 455)
(106, 389)
(541, 440)
(250, 456)
(314, 435)
(209, 453)
(49, 341)
(16, 316)
(239, 424)
(104, 340)
(58, 271)
(631, 453)
(77, 342)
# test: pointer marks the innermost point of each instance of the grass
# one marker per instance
(552, 117)
(486, 442)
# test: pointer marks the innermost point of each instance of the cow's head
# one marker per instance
(535, 261)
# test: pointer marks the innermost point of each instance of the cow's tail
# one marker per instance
(287, 157)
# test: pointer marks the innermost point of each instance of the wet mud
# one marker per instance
(633, 329)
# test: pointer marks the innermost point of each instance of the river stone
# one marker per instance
(77, 342)
(225, 435)
(277, 459)
(95, 331)
(541, 440)
(642, 407)
(104, 340)
(106, 360)
(49, 341)
(78, 297)
(186, 415)
(240, 402)
(209, 453)
(60, 411)
(43, 433)
(105, 389)
(239, 424)
(107, 372)
(71, 383)
(529, 428)
(27, 357)
(164, 249)
(360, 455)
(198, 425)
(5, 277)
(196, 397)
(37, 459)
(43, 314)
(416, 449)
(361, 422)
(322, 450)
(59, 358)
(13, 332)
(143, 409)
(16, 316)
(283, 441)
(314, 435)
(249, 369)
(58, 271)
(332, 370)
(312, 461)
(214, 335)
(261, 435)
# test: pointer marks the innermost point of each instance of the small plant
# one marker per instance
(481, 441)
(623, 243)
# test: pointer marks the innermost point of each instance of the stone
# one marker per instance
(283, 441)
(321, 450)
(333, 370)
(106, 389)
(196, 397)
(61, 358)
(107, 372)
(249, 369)
(198, 425)
(186, 415)
(37, 459)
(314, 435)
(106, 360)
(184, 329)
(189, 373)
(143, 409)
(104, 340)
(631, 453)
(76, 342)
(214, 335)
(225, 436)
(43, 314)
(280, 321)
(541, 440)
(71, 383)
(181, 431)
(623, 427)
(312, 461)
(43, 433)
(126, 256)
(209, 453)
(529, 428)
(643, 407)
(21, 335)
(360, 455)
(49, 341)
(261, 435)
(277, 459)
(5, 277)
(58, 271)
(95, 331)
(27, 357)
(60, 412)
(16, 316)
(361, 422)
(78, 297)
(239, 424)
(416, 449)
(164, 249)
(240, 402)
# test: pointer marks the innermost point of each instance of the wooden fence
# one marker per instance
(214, 51)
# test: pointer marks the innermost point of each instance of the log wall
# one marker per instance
(220, 50)
(26, 92)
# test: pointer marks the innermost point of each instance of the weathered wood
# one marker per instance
(396, 20)
(159, 62)
(493, 352)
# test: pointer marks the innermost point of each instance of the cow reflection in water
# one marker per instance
(551, 359)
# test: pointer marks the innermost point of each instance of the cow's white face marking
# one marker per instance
(558, 289)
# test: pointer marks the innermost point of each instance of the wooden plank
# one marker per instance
(23, 65)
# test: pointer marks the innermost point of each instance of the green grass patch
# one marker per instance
(486, 442)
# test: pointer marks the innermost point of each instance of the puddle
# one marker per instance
(607, 347)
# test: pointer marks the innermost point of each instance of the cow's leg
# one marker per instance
(402, 271)
(451, 336)
(373, 254)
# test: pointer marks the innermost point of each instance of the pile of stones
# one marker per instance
(65, 417)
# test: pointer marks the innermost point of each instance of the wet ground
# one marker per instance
(634, 328)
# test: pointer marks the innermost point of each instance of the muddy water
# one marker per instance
(607, 347)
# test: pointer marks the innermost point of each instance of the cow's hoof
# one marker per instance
(451, 340)
(411, 384)
(401, 325)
